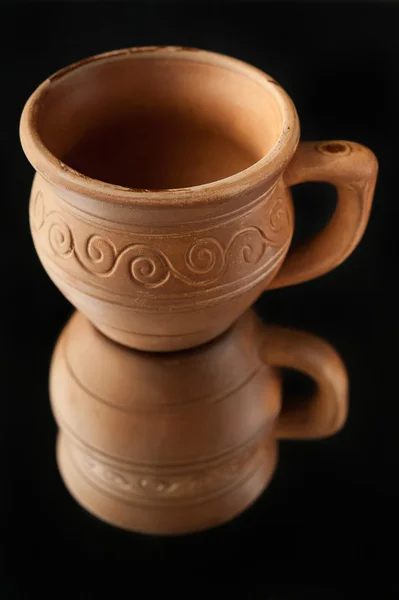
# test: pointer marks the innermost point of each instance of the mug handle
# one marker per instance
(352, 169)
(325, 412)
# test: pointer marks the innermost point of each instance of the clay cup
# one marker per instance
(161, 205)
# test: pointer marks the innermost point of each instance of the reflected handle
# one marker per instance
(325, 412)
(352, 169)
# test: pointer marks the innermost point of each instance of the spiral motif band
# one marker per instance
(203, 263)
(127, 483)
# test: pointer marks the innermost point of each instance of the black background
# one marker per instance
(332, 508)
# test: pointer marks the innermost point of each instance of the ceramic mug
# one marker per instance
(168, 443)
(161, 206)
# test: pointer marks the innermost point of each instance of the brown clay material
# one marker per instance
(161, 206)
(168, 443)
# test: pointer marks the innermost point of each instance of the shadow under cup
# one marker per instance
(146, 122)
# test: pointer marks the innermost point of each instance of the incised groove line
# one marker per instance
(177, 466)
(225, 218)
(142, 407)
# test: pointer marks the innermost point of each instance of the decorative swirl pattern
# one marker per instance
(38, 210)
(116, 479)
(205, 257)
(205, 260)
(150, 267)
(128, 482)
(278, 221)
(60, 238)
(251, 245)
(99, 255)
(155, 486)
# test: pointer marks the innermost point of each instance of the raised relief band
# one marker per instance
(135, 484)
(201, 263)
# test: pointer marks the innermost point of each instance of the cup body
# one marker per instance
(159, 207)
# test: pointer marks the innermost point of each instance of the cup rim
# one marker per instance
(57, 172)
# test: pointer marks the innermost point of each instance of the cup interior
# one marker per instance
(147, 122)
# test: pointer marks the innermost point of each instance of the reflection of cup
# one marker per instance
(177, 442)
(161, 207)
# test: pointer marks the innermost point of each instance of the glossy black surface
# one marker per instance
(332, 508)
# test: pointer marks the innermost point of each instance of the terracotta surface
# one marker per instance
(178, 442)
(161, 207)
